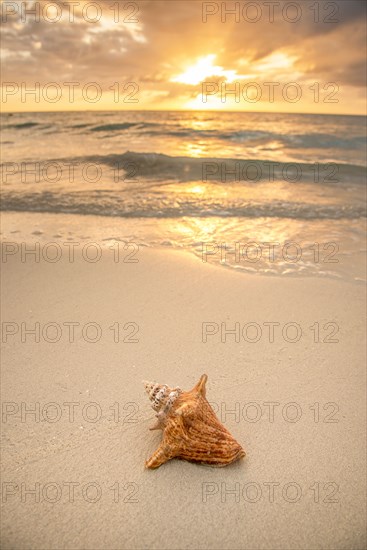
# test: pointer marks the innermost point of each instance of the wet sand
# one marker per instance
(297, 405)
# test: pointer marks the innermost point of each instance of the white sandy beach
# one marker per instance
(314, 465)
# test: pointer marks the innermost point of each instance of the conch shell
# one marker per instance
(191, 430)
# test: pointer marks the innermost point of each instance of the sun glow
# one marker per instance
(200, 189)
(275, 61)
(203, 68)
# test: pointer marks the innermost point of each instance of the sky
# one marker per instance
(273, 56)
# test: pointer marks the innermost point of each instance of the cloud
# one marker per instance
(162, 39)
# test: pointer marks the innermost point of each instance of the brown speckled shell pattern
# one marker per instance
(191, 430)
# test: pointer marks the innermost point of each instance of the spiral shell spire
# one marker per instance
(161, 396)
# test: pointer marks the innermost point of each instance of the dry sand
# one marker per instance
(315, 465)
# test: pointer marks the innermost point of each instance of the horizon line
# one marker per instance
(179, 111)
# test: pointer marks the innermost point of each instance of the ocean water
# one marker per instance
(278, 194)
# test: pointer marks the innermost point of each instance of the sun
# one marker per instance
(202, 69)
